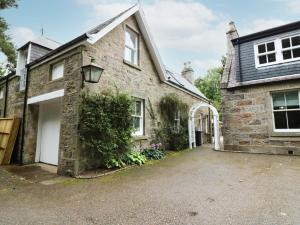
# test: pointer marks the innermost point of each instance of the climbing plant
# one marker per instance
(106, 125)
(173, 134)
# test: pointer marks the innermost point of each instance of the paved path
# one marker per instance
(195, 187)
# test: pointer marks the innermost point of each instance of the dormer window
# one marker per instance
(131, 47)
(266, 53)
(278, 51)
(290, 47)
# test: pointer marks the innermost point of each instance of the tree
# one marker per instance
(209, 85)
(6, 45)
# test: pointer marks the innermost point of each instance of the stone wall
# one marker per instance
(248, 123)
(138, 81)
(40, 83)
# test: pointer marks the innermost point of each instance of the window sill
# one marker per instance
(131, 65)
(53, 81)
(285, 134)
(139, 138)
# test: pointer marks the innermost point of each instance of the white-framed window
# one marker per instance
(177, 120)
(290, 48)
(138, 117)
(286, 111)
(266, 53)
(281, 50)
(206, 124)
(131, 54)
(1, 92)
(200, 122)
(57, 71)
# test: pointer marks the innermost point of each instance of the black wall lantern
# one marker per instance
(92, 73)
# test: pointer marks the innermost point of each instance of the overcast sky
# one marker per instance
(186, 30)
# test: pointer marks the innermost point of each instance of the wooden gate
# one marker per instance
(8, 134)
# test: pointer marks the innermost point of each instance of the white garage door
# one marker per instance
(48, 132)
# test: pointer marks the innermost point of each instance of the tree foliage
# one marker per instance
(209, 85)
(6, 45)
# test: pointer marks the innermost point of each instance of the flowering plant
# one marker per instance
(156, 146)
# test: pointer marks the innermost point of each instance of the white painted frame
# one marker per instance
(191, 124)
(278, 50)
(136, 49)
(145, 31)
(285, 110)
(140, 132)
(46, 97)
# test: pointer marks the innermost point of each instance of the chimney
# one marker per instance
(188, 72)
(230, 34)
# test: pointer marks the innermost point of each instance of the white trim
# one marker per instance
(93, 38)
(138, 12)
(58, 54)
(45, 97)
(29, 53)
(141, 131)
(285, 110)
(191, 124)
(278, 51)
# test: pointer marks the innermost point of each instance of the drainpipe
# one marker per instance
(6, 96)
(24, 116)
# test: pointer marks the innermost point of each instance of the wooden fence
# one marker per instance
(8, 134)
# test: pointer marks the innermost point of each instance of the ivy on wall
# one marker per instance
(106, 125)
(172, 136)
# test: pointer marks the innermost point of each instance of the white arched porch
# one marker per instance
(192, 136)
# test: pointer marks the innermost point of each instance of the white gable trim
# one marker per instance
(146, 35)
(93, 38)
(45, 97)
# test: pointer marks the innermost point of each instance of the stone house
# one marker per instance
(45, 90)
(260, 91)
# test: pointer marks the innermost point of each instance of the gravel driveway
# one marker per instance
(192, 187)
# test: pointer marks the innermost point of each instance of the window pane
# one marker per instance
(287, 54)
(131, 39)
(136, 123)
(271, 58)
(296, 53)
(278, 101)
(296, 41)
(138, 108)
(128, 54)
(286, 43)
(262, 59)
(294, 119)
(292, 101)
(57, 71)
(280, 120)
(270, 46)
(262, 48)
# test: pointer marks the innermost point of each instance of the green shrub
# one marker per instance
(106, 126)
(134, 158)
(153, 154)
(130, 158)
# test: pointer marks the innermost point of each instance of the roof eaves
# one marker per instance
(267, 33)
(59, 49)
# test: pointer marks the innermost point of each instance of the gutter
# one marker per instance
(57, 50)
(24, 116)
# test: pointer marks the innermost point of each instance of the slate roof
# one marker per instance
(181, 82)
(108, 22)
(173, 78)
(44, 42)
